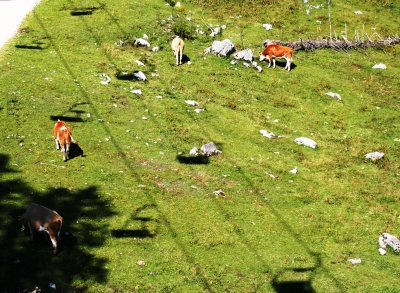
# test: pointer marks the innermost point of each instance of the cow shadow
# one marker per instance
(75, 151)
(185, 59)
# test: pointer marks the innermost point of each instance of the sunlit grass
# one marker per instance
(133, 193)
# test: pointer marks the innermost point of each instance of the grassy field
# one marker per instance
(140, 213)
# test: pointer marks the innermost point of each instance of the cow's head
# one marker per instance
(262, 57)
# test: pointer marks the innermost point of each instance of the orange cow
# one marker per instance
(276, 51)
(63, 137)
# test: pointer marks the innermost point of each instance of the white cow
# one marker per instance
(177, 47)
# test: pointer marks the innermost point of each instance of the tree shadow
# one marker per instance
(24, 266)
(4, 159)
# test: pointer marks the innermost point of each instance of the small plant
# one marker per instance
(183, 28)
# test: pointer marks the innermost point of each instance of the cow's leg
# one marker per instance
(72, 139)
(288, 62)
(269, 61)
(30, 231)
(57, 139)
(175, 56)
(181, 53)
(64, 153)
(53, 238)
(54, 243)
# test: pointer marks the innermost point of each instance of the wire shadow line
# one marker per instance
(206, 284)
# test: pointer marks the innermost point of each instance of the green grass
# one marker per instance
(131, 191)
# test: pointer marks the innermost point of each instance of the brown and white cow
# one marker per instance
(41, 219)
(178, 46)
(63, 137)
(276, 51)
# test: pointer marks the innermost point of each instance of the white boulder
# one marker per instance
(306, 142)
